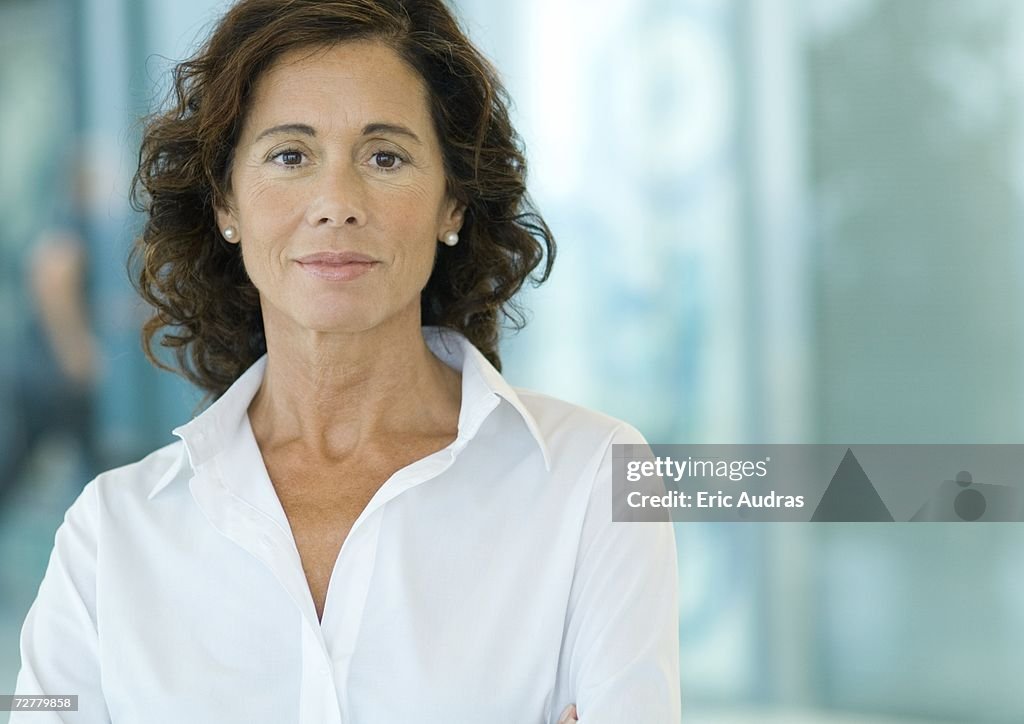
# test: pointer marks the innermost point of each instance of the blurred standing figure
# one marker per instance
(54, 368)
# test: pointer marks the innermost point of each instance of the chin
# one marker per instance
(324, 315)
(335, 313)
(329, 321)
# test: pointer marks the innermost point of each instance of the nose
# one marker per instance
(338, 198)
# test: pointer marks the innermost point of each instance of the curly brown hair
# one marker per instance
(206, 309)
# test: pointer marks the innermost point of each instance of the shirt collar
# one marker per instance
(483, 388)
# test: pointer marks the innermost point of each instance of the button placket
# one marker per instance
(318, 693)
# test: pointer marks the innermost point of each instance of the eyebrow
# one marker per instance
(288, 128)
(368, 129)
(392, 128)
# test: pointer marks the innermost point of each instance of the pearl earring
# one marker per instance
(451, 238)
(230, 233)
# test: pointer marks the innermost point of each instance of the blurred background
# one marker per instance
(778, 221)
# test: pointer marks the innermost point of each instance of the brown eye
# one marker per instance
(387, 161)
(288, 158)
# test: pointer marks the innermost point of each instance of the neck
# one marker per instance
(331, 394)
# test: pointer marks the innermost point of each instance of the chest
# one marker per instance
(323, 501)
(321, 505)
(460, 614)
(451, 600)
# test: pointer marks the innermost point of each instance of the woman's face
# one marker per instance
(338, 189)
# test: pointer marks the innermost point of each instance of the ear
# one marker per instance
(226, 218)
(453, 215)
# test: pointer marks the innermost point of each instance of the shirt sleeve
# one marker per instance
(59, 640)
(622, 632)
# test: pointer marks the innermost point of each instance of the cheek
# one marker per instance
(427, 254)
(256, 266)
(267, 215)
(413, 260)
(268, 204)
(408, 218)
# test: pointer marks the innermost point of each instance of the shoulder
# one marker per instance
(573, 433)
(139, 480)
(120, 494)
(555, 416)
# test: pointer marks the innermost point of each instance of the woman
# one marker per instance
(369, 524)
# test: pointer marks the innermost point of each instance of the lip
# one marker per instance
(339, 266)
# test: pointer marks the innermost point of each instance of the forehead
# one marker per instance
(344, 83)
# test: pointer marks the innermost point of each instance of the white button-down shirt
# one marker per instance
(483, 583)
